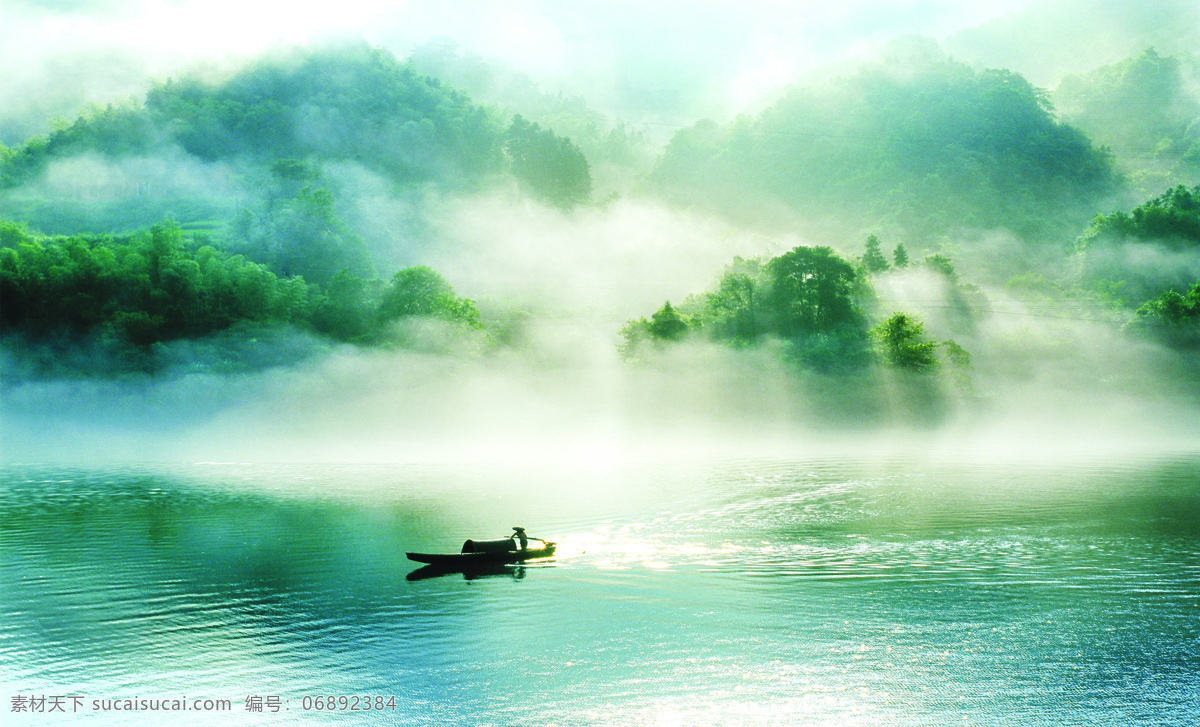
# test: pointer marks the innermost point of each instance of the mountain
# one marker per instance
(349, 104)
(1147, 110)
(914, 142)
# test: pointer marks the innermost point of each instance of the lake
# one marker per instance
(721, 590)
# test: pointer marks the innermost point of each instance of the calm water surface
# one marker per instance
(761, 591)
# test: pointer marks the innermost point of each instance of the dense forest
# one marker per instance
(347, 104)
(617, 155)
(129, 294)
(226, 208)
(1146, 111)
(1149, 258)
(915, 143)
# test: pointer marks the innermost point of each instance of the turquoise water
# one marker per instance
(755, 591)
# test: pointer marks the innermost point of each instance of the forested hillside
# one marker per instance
(125, 295)
(916, 142)
(351, 103)
(347, 104)
(617, 155)
(1146, 109)
(1149, 259)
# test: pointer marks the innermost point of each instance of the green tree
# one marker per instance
(163, 244)
(421, 292)
(667, 325)
(1144, 109)
(902, 343)
(808, 297)
(1121, 254)
(344, 311)
(812, 290)
(296, 229)
(1172, 218)
(900, 256)
(733, 312)
(548, 166)
(873, 260)
(942, 265)
(147, 288)
(1173, 317)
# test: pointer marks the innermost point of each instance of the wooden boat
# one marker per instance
(516, 548)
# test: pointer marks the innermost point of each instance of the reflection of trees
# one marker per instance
(104, 554)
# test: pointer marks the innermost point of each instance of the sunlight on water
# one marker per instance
(761, 592)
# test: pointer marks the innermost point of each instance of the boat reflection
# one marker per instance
(516, 572)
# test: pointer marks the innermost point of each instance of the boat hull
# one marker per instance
(464, 561)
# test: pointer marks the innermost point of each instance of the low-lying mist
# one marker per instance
(582, 411)
(555, 287)
(609, 262)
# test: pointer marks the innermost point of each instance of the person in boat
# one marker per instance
(521, 537)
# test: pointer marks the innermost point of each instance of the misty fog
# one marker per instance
(1055, 364)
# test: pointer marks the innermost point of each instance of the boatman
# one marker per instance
(520, 536)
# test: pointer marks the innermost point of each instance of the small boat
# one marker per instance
(516, 548)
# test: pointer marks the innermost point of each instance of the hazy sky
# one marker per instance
(667, 58)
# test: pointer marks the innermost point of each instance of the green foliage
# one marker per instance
(421, 292)
(271, 127)
(1132, 257)
(808, 297)
(902, 344)
(296, 230)
(1173, 317)
(1144, 108)
(733, 313)
(549, 167)
(158, 286)
(346, 310)
(635, 336)
(602, 142)
(113, 131)
(350, 103)
(873, 259)
(811, 301)
(1172, 307)
(900, 256)
(958, 357)
(146, 288)
(12, 235)
(667, 325)
(941, 265)
(1172, 218)
(812, 291)
(927, 145)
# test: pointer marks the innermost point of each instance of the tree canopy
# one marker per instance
(146, 288)
(918, 141)
(809, 297)
(1172, 218)
(1144, 108)
(548, 166)
(1131, 257)
(159, 285)
(350, 103)
(421, 292)
(1173, 316)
